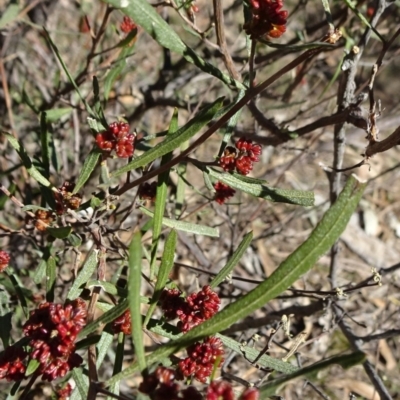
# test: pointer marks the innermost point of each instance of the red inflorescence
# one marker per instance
(64, 392)
(127, 25)
(118, 138)
(4, 260)
(12, 366)
(220, 390)
(241, 158)
(250, 394)
(52, 330)
(43, 219)
(191, 311)
(201, 359)
(222, 192)
(267, 20)
(123, 323)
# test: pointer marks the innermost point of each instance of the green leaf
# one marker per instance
(236, 256)
(66, 70)
(5, 318)
(75, 240)
(33, 365)
(344, 360)
(298, 263)
(185, 226)
(57, 113)
(257, 189)
(84, 275)
(167, 262)
(145, 15)
(19, 291)
(44, 141)
(102, 347)
(251, 354)
(161, 199)
(50, 278)
(88, 167)
(9, 15)
(60, 233)
(82, 384)
(173, 141)
(32, 170)
(96, 125)
(134, 284)
(117, 69)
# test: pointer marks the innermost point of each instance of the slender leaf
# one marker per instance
(5, 318)
(60, 233)
(236, 256)
(346, 361)
(134, 284)
(251, 354)
(50, 278)
(254, 188)
(44, 141)
(82, 384)
(88, 167)
(33, 365)
(32, 170)
(167, 262)
(147, 17)
(57, 113)
(161, 199)
(103, 346)
(9, 15)
(19, 291)
(173, 141)
(84, 275)
(298, 263)
(186, 226)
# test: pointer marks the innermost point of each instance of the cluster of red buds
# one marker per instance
(222, 192)
(222, 390)
(148, 191)
(127, 25)
(118, 138)
(240, 158)
(161, 385)
(192, 310)
(267, 20)
(65, 199)
(123, 323)
(4, 260)
(202, 358)
(191, 9)
(52, 330)
(64, 392)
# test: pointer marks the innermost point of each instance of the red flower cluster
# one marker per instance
(222, 192)
(221, 390)
(4, 260)
(127, 25)
(201, 359)
(267, 19)
(65, 199)
(242, 157)
(160, 385)
(118, 138)
(123, 323)
(65, 392)
(191, 311)
(52, 330)
(43, 219)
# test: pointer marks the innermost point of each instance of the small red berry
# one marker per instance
(4, 260)
(222, 192)
(220, 390)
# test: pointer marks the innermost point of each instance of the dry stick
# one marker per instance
(356, 344)
(225, 118)
(221, 40)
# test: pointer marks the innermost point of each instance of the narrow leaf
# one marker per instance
(84, 275)
(185, 226)
(299, 262)
(82, 384)
(134, 283)
(236, 256)
(102, 347)
(44, 141)
(88, 167)
(60, 233)
(32, 170)
(167, 262)
(33, 365)
(254, 188)
(57, 113)
(347, 360)
(173, 141)
(9, 15)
